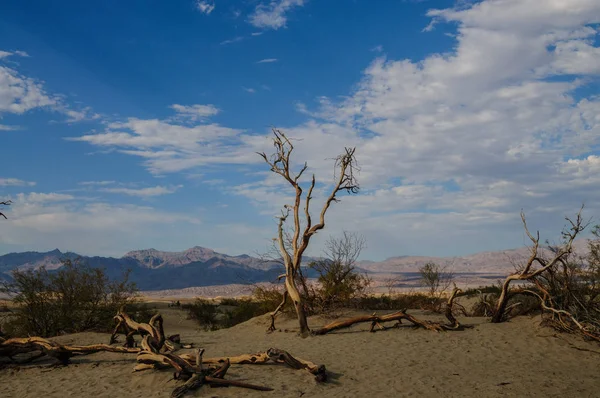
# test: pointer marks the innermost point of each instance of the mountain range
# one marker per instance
(152, 269)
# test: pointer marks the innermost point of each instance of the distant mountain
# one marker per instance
(152, 258)
(500, 262)
(152, 269)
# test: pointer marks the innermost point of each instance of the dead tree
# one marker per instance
(154, 352)
(280, 163)
(377, 320)
(529, 272)
(63, 353)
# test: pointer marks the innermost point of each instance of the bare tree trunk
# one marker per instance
(298, 300)
(498, 315)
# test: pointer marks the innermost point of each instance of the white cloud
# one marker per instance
(267, 61)
(19, 94)
(4, 127)
(144, 192)
(272, 15)
(167, 146)
(195, 112)
(451, 147)
(230, 41)
(74, 116)
(93, 228)
(205, 7)
(36, 197)
(105, 182)
(249, 90)
(15, 182)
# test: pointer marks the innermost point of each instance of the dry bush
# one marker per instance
(73, 299)
(231, 311)
(339, 284)
(485, 305)
(394, 302)
(569, 291)
(436, 279)
(203, 312)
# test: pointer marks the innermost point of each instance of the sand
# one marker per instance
(514, 359)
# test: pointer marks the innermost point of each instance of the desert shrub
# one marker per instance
(436, 279)
(73, 299)
(339, 284)
(573, 286)
(480, 290)
(393, 302)
(230, 311)
(270, 297)
(204, 312)
(243, 310)
(140, 312)
(230, 301)
(485, 304)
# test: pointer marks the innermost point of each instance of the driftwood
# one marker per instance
(377, 320)
(529, 272)
(272, 355)
(156, 351)
(12, 347)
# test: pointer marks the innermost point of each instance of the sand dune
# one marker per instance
(516, 359)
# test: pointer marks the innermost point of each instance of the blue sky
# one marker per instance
(134, 124)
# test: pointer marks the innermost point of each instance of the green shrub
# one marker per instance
(204, 312)
(232, 311)
(73, 299)
(394, 302)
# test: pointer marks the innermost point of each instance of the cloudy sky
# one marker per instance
(135, 124)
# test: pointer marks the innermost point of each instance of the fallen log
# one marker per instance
(155, 352)
(11, 347)
(377, 320)
(272, 355)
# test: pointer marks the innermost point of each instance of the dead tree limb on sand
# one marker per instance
(153, 328)
(155, 353)
(564, 320)
(377, 320)
(280, 163)
(528, 272)
(272, 355)
(63, 353)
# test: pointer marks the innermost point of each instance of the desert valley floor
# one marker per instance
(517, 359)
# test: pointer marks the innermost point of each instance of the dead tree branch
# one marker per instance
(154, 353)
(5, 203)
(377, 320)
(529, 272)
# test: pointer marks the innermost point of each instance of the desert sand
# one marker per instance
(519, 358)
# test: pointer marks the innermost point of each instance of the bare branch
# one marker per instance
(5, 203)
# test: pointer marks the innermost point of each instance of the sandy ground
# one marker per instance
(514, 359)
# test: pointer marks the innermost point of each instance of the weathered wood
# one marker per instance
(377, 320)
(454, 324)
(62, 353)
(272, 355)
(151, 355)
(528, 272)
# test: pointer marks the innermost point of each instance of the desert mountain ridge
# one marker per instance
(153, 269)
